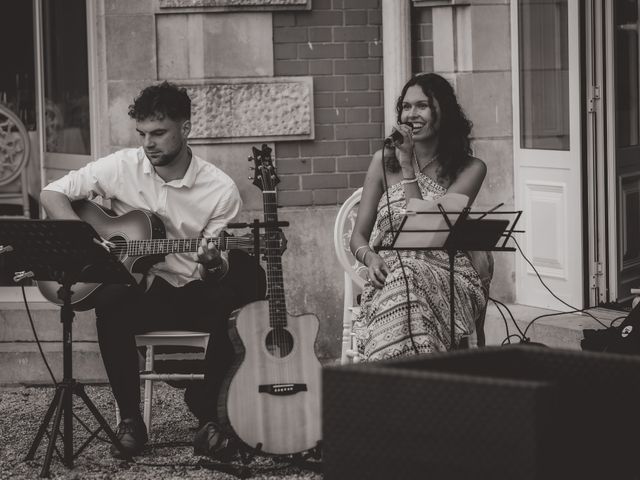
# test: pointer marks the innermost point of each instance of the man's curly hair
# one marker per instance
(166, 99)
(454, 145)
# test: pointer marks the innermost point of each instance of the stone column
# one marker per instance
(396, 54)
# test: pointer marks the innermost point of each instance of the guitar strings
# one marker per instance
(274, 299)
(277, 303)
(171, 245)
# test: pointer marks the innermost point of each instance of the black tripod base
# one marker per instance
(62, 406)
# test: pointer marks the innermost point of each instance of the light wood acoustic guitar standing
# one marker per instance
(271, 397)
(139, 238)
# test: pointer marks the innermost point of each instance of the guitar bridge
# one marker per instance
(283, 388)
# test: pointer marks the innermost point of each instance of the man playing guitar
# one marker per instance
(185, 291)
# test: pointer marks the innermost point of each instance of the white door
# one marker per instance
(547, 151)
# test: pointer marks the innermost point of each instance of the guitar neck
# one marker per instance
(275, 281)
(163, 246)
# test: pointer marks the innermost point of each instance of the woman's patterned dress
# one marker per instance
(383, 329)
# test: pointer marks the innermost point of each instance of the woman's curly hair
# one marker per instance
(454, 145)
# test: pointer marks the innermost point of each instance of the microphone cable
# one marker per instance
(611, 324)
(404, 273)
(35, 335)
(573, 309)
(520, 335)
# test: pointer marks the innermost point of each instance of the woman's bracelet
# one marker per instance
(407, 181)
(358, 251)
(364, 258)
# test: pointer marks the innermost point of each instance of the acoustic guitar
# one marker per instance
(271, 396)
(139, 238)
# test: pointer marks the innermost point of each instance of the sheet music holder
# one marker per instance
(66, 251)
(454, 231)
(59, 249)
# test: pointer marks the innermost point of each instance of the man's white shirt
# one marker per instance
(199, 204)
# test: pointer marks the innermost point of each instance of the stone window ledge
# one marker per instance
(210, 6)
(440, 3)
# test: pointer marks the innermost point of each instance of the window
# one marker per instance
(544, 74)
(66, 85)
(17, 84)
(626, 75)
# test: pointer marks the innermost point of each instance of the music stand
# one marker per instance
(66, 251)
(463, 234)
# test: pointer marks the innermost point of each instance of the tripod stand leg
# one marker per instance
(67, 406)
(98, 416)
(55, 428)
(43, 425)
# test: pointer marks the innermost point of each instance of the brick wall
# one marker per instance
(339, 43)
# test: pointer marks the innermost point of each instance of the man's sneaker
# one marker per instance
(211, 442)
(132, 434)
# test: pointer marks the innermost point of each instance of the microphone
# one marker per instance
(396, 137)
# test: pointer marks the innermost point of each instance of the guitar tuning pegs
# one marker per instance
(250, 178)
(249, 159)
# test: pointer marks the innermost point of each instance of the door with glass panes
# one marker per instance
(613, 139)
(547, 151)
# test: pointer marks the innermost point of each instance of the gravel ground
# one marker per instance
(169, 453)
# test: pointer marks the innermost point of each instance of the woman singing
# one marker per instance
(432, 159)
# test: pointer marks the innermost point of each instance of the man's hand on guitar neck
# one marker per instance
(210, 261)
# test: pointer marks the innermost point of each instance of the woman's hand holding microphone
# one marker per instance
(402, 139)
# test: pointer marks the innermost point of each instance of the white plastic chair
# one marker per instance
(354, 273)
(169, 337)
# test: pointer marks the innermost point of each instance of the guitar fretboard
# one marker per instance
(136, 248)
(275, 282)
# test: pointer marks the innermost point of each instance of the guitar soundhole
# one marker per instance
(279, 342)
(120, 249)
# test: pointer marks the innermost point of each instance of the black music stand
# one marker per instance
(66, 251)
(463, 234)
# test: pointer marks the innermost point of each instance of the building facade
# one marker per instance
(550, 85)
